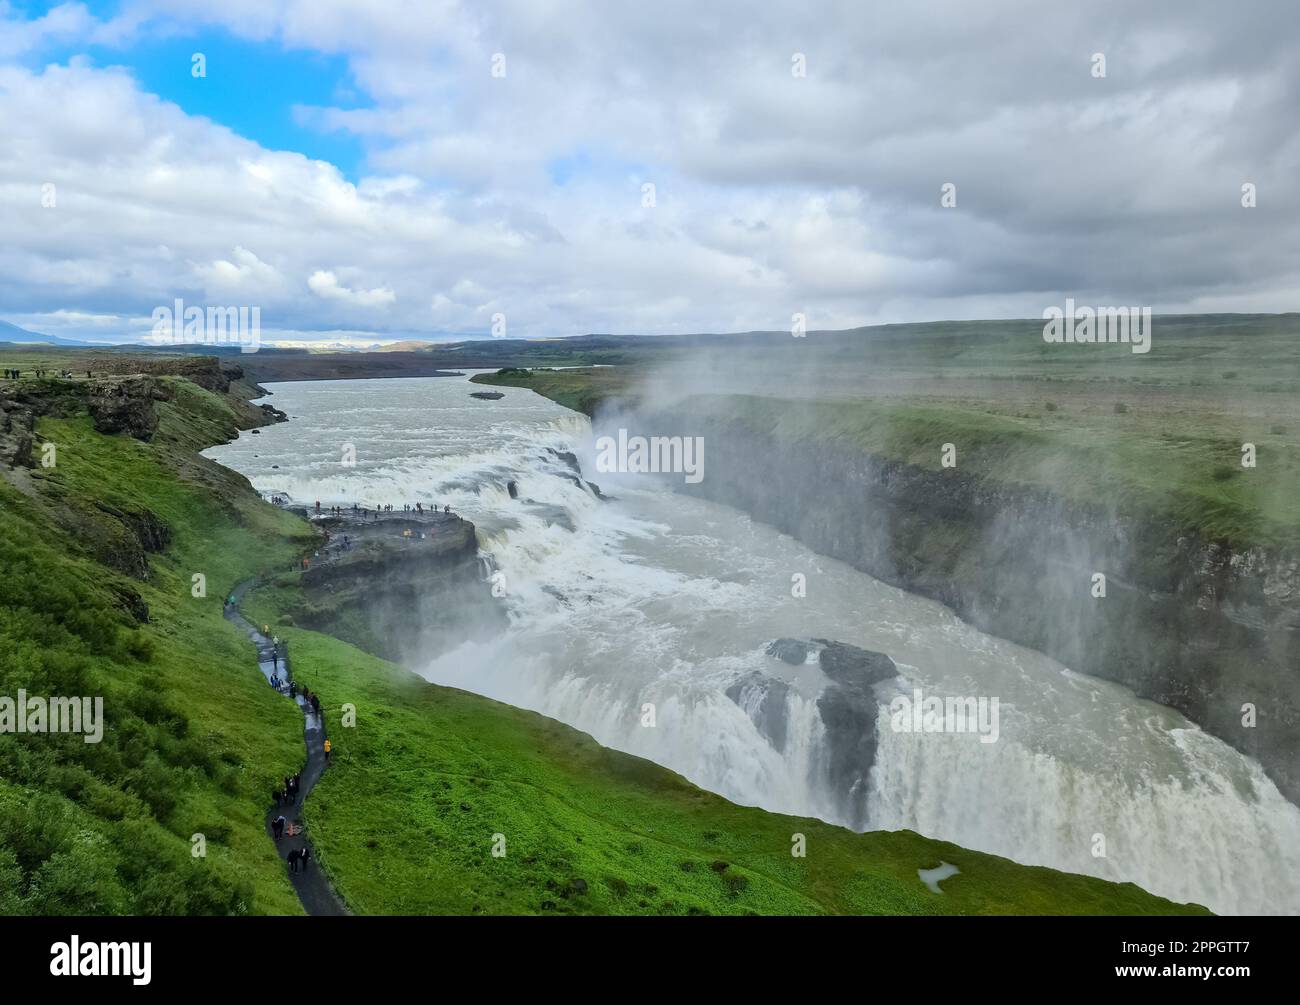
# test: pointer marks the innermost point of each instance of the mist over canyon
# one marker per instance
(651, 618)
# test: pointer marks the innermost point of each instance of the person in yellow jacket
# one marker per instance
(327, 748)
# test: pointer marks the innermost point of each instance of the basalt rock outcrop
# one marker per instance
(569, 460)
(272, 414)
(125, 405)
(22, 403)
(790, 651)
(849, 712)
(17, 434)
(115, 404)
(764, 701)
(847, 704)
(404, 598)
(208, 372)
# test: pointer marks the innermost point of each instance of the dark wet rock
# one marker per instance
(486, 395)
(567, 457)
(125, 405)
(405, 599)
(791, 651)
(849, 711)
(847, 705)
(153, 534)
(554, 592)
(513, 489)
(853, 667)
(595, 490)
(849, 718)
(764, 700)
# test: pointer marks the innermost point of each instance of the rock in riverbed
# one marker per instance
(790, 651)
(847, 706)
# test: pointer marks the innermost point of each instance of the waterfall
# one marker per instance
(631, 619)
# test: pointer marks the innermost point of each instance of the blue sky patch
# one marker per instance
(251, 87)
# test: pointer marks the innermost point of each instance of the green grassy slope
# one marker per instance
(582, 390)
(193, 743)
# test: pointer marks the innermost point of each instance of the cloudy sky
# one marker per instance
(392, 169)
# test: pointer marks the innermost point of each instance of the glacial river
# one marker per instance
(658, 598)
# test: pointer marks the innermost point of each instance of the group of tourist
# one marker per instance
(288, 795)
(373, 514)
(298, 858)
(17, 374)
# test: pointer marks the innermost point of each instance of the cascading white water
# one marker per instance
(658, 599)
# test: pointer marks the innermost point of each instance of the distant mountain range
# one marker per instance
(12, 333)
(607, 348)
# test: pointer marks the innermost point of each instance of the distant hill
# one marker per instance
(12, 333)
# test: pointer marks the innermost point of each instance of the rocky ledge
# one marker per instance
(401, 585)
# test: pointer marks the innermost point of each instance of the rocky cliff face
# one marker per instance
(116, 404)
(17, 430)
(208, 372)
(405, 599)
(125, 405)
(1189, 623)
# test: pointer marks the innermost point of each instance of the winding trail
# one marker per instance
(312, 885)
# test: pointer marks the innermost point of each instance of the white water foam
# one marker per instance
(657, 598)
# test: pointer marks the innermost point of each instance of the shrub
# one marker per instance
(735, 883)
(617, 886)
